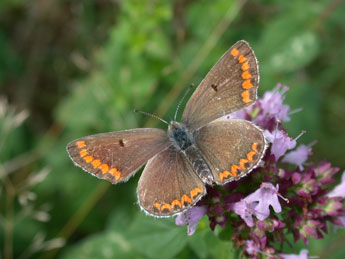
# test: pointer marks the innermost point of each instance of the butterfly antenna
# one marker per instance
(184, 96)
(151, 115)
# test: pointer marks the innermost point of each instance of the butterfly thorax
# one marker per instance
(179, 136)
(184, 141)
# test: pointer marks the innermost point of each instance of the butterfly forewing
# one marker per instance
(230, 85)
(115, 156)
(168, 184)
(232, 148)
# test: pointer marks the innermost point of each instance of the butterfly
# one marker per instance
(203, 149)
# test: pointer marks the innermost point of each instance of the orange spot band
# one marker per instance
(96, 163)
(250, 156)
(104, 168)
(185, 198)
(83, 153)
(195, 192)
(116, 173)
(157, 205)
(81, 144)
(166, 206)
(224, 174)
(245, 66)
(242, 59)
(88, 159)
(242, 163)
(246, 75)
(234, 52)
(176, 203)
(234, 169)
(247, 84)
(254, 147)
(246, 97)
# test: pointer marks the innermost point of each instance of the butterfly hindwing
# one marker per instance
(115, 156)
(230, 86)
(231, 148)
(168, 184)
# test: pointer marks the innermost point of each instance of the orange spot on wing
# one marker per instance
(246, 75)
(234, 170)
(157, 205)
(234, 52)
(254, 147)
(81, 144)
(246, 97)
(166, 206)
(247, 84)
(242, 163)
(96, 163)
(245, 66)
(83, 153)
(195, 192)
(185, 198)
(250, 156)
(176, 202)
(116, 173)
(242, 59)
(104, 168)
(224, 174)
(88, 159)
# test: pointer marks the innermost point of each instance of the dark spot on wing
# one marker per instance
(121, 143)
(214, 87)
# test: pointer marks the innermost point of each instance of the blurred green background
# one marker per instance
(72, 68)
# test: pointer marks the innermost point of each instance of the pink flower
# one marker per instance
(191, 217)
(325, 172)
(265, 196)
(245, 210)
(339, 190)
(340, 222)
(251, 247)
(281, 142)
(258, 204)
(272, 104)
(298, 156)
(302, 255)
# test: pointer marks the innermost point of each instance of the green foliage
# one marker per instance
(94, 62)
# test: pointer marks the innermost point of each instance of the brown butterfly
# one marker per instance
(201, 149)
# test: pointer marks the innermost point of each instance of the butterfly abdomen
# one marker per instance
(184, 142)
(199, 164)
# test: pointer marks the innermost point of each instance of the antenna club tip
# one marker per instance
(136, 110)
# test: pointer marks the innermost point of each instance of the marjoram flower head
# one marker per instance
(285, 197)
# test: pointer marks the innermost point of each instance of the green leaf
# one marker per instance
(206, 244)
(295, 53)
(105, 245)
(198, 244)
(226, 232)
(157, 238)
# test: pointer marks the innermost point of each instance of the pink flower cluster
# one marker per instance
(302, 196)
